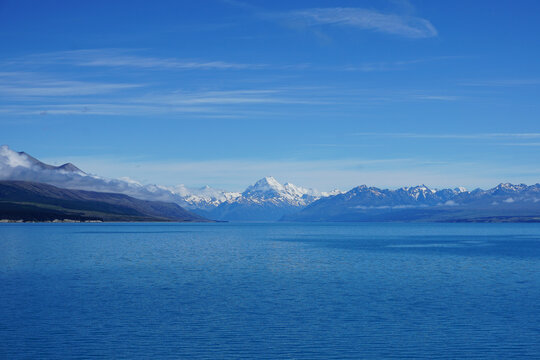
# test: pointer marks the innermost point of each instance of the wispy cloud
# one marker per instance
(62, 88)
(501, 82)
(113, 109)
(401, 24)
(453, 136)
(129, 58)
(395, 24)
(132, 58)
(232, 97)
(377, 96)
(523, 144)
(436, 97)
(211, 104)
(28, 84)
(62, 98)
(393, 65)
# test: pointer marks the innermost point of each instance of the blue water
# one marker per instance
(269, 291)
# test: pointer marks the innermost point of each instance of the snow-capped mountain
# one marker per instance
(269, 189)
(204, 198)
(267, 198)
(505, 201)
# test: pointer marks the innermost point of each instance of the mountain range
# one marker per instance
(268, 200)
(504, 203)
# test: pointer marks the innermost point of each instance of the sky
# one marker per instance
(324, 94)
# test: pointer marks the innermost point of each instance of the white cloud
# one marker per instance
(402, 25)
(454, 136)
(11, 159)
(19, 84)
(127, 58)
(523, 144)
(214, 104)
(130, 58)
(436, 97)
(502, 82)
(391, 65)
(224, 97)
(113, 109)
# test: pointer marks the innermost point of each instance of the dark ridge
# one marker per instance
(31, 201)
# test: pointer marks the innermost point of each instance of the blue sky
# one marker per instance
(319, 93)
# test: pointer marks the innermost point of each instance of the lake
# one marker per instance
(269, 291)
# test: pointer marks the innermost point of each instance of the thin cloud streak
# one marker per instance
(19, 84)
(394, 24)
(452, 136)
(522, 144)
(393, 65)
(233, 97)
(502, 83)
(437, 97)
(63, 88)
(102, 109)
(226, 104)
(126, 58)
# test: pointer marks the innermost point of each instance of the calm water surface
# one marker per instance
(269, 291)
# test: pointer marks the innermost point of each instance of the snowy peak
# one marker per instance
(265, 186)
(299, 191)
(267, 199)
(420, 192)
(508, 188)
(421, 196)
(269, 190)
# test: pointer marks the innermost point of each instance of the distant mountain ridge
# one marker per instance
(266, 200)
(505, 202)
(31, 201)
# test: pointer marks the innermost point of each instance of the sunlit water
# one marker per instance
(269, 291)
